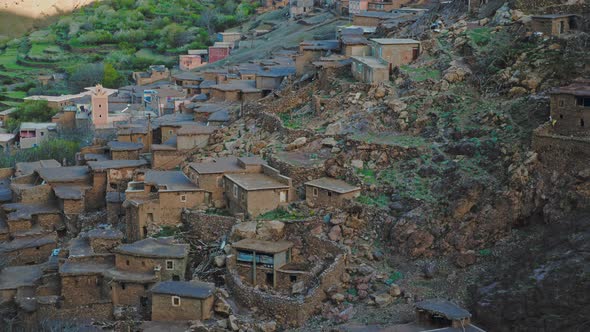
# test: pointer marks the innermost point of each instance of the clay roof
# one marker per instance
(18, 211)
(552, 16)
(132, 130)
(30, 167)
(13, 277)
(394, 41)
(443, 307)
(219, 116)
(332, 184)
(37, 125)
(238, 85)
(84, 267)
(369, 61)
(129, 276)
(6, 137)
(172, 180)
(192, 289)
(124, 146)
(270, 247)
(27, 242)
(163, 147)
(579, 88)
(256, 181)
(225, 165)
(70, 191)
(320, 45)
(111, 234)
(64, 174)
(195, 130)
(354, 40)
(114, 164)
(150, 247)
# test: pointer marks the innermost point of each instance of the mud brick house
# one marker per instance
(310, 51)
(355, 45)
(203, 111)
(218, 53)
(32, 134)
(155, 73)
(300, 7)
(190, 61)
(66, 117)
(182, 300)
(256, 193)
(329, 192)
(124, 150)
(258, 261)
(357, 6)
(553, 25)
(373, 18)
(396, 52)
(69, 184)
(229, 37)
(193, 136)
(235, 91)
(6, 142)
(135, 133)
(5, 115)
(385, 5)
(28, 168)
(104, 241)
(189, 81)
(111, 176)
(159, 200)
(369, 69)
(209, 175)
(168, 129)
(570, 109)
(16, 281)
(27, 248)
(342, 7)
(442, 313)
(270, 78)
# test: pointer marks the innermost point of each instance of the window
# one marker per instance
(42, 133)
(170, 131)
(176, 277)
(329, 194)
(169, 265)
(220, 183)
(122, 285)
(282, 196)
(140, 139)
(583, 101)
(175, 301)
(269, 278)
(145, 286)
(581, 122)
(142, 263)
(561, 103)
(235, 191)
(293, 278)
(127, 262)
(561, 116)
(315, 192)
(183, 198)
(37, 248)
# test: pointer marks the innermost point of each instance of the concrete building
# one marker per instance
(190, 62)
(182, 300)
(5, 115)
(258, 261)
(32, 134)
(396, 52)
(355, 45)
(369, 69)
(329, 192)
(6, 142)
(553, 25)
(218, 53)
(300, 7)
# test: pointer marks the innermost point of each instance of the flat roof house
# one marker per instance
(153, 74)
(312, 50)
(553, 25)
(124, 150)
(396, 52)
(329, 192)
(32, 134)
(369, 69)
(190, 61)
(257, 193)
(258, 261)
(570, 109)
(182, 300)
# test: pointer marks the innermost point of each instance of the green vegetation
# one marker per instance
(393, 277)
(421, 73)
(167, 231)
(292, 121)
(379, 201)
(30, 111)
(368, 175)
(58, 149)
(281, 214)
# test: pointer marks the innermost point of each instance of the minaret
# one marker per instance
(100, 106)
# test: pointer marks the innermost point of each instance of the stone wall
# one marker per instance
(555, 150)
(207, 227)
(290, 310)
(298, 174)
(167, 159)
(6, 173)
(95, 311)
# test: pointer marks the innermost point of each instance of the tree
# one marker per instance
(30, 111)
(86, 75)
(112, 78)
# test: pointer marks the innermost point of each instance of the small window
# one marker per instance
(169, 265)
(183, 198)
(145, 286)
(122, 285)
(142, 263)
(235, 191)
(176, 277)
(293, 278)
(37, 247)
(329, 194)
(561, 103)
(127, 262)
(282, 196)
(139, 139)
(315, 192)
(170, 131)
(581, 122)
(561, 116)
(42, 134)
(175, 301)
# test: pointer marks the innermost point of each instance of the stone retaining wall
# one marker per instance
(207, 227)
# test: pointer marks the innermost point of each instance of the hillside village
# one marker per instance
(326, 165)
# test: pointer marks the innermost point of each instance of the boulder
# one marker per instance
(296, 144)
(244, 230)
(335, 233)
(395, 290)
(396, 105)
(517, 91)
(338, 298)
(333, 129)
(198, 326)
(219, 261)
(329, 141)
(298, 288)
(222, 307)
(465, 259)
(383, 299)
(357, 163)
(267, 326)
(233, 323)
(270, 230)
